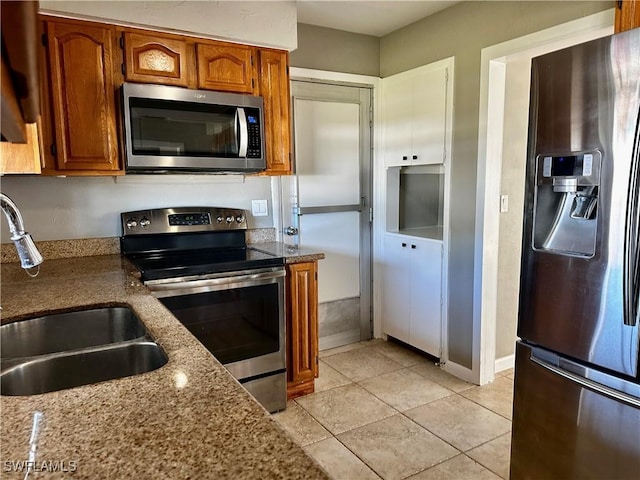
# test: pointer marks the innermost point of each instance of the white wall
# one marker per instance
(496, 109)
(270, 24)
(514, 155)
(57, 208)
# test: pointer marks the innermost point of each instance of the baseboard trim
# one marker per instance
(505, 363)
(338, 339)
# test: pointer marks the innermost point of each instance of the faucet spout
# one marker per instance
(29, 255)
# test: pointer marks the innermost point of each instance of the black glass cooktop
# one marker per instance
(154, 266)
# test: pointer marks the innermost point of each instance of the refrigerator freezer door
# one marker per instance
(584, 103)
(562, 429)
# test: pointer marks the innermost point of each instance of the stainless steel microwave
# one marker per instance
(173, 129)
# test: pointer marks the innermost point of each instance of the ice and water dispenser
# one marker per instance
(566, 203)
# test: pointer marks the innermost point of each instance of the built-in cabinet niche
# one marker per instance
(415, 201)
(414, 256)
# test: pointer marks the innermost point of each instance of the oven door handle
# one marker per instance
(186, 287)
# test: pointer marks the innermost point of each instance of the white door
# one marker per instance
(330, 206)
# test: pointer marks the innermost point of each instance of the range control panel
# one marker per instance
(182, 219)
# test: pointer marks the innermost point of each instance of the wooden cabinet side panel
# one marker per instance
(47, 139)
(158, 59)
(225, 67)
(627, 15)
(302, 323)
(83, 96)
(274, 88)
(21, 157)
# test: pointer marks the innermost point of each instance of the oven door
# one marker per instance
(238, 317)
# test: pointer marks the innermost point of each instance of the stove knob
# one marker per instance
(145, 222)
(219, 219)
(239, 219)
(230, 219)
(131, 223)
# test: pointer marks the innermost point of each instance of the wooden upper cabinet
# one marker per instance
(158, 59)
(274, 88)
(627, 15)
(226, 67)
(82, 79)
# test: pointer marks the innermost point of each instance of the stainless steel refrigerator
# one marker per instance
(577, 386)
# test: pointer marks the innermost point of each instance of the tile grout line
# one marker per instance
(402, 367)
(459, 452)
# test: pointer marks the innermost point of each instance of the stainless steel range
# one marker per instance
(195, 260)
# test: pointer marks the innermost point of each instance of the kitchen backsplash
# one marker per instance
(86, 247)
(68, 208)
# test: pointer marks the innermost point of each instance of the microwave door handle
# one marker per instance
(241, 122)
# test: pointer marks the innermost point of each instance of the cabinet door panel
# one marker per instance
(429, 121)
(274, 88)
(225, 67)
(156, 59)
(426, 288)
(302, 323)
(83, 99)
(396, 297)
(397, 120)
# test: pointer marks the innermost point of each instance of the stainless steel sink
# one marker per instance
(69, 331)
(66, 350)
(49, 373)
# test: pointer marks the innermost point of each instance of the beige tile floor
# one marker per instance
(383, 411)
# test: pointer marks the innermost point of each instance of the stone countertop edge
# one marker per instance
(187, 419)
(291, 254)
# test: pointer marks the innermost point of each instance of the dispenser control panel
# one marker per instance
(568, 171)
(568, 166)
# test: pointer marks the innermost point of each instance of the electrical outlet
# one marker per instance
(259, 208)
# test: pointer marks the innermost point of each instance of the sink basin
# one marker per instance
(69, 331)
(49, 373)
(65, 350)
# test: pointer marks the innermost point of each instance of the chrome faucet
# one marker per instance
(29, 255)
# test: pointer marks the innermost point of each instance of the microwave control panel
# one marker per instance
(254, 147)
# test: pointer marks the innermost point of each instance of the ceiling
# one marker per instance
(376, 18)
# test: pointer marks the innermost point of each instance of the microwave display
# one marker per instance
(170, 128)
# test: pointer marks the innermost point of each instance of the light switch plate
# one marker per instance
(504, 203)
(259, 208)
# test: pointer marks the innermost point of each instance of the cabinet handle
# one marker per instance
(404, 157)
(404, 244)
(415, 157)
(413, 246)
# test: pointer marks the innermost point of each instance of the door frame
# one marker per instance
(490, 140)
(375, 241)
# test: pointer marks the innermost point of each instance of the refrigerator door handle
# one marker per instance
(588, 383)
(631, 268)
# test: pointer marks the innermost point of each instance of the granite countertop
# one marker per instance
(188, 419)
(290, 253)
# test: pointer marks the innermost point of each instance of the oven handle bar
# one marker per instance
(185, 287)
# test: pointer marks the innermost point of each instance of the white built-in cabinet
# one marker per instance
(417, 110)
(416, 115)
(412, 293)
